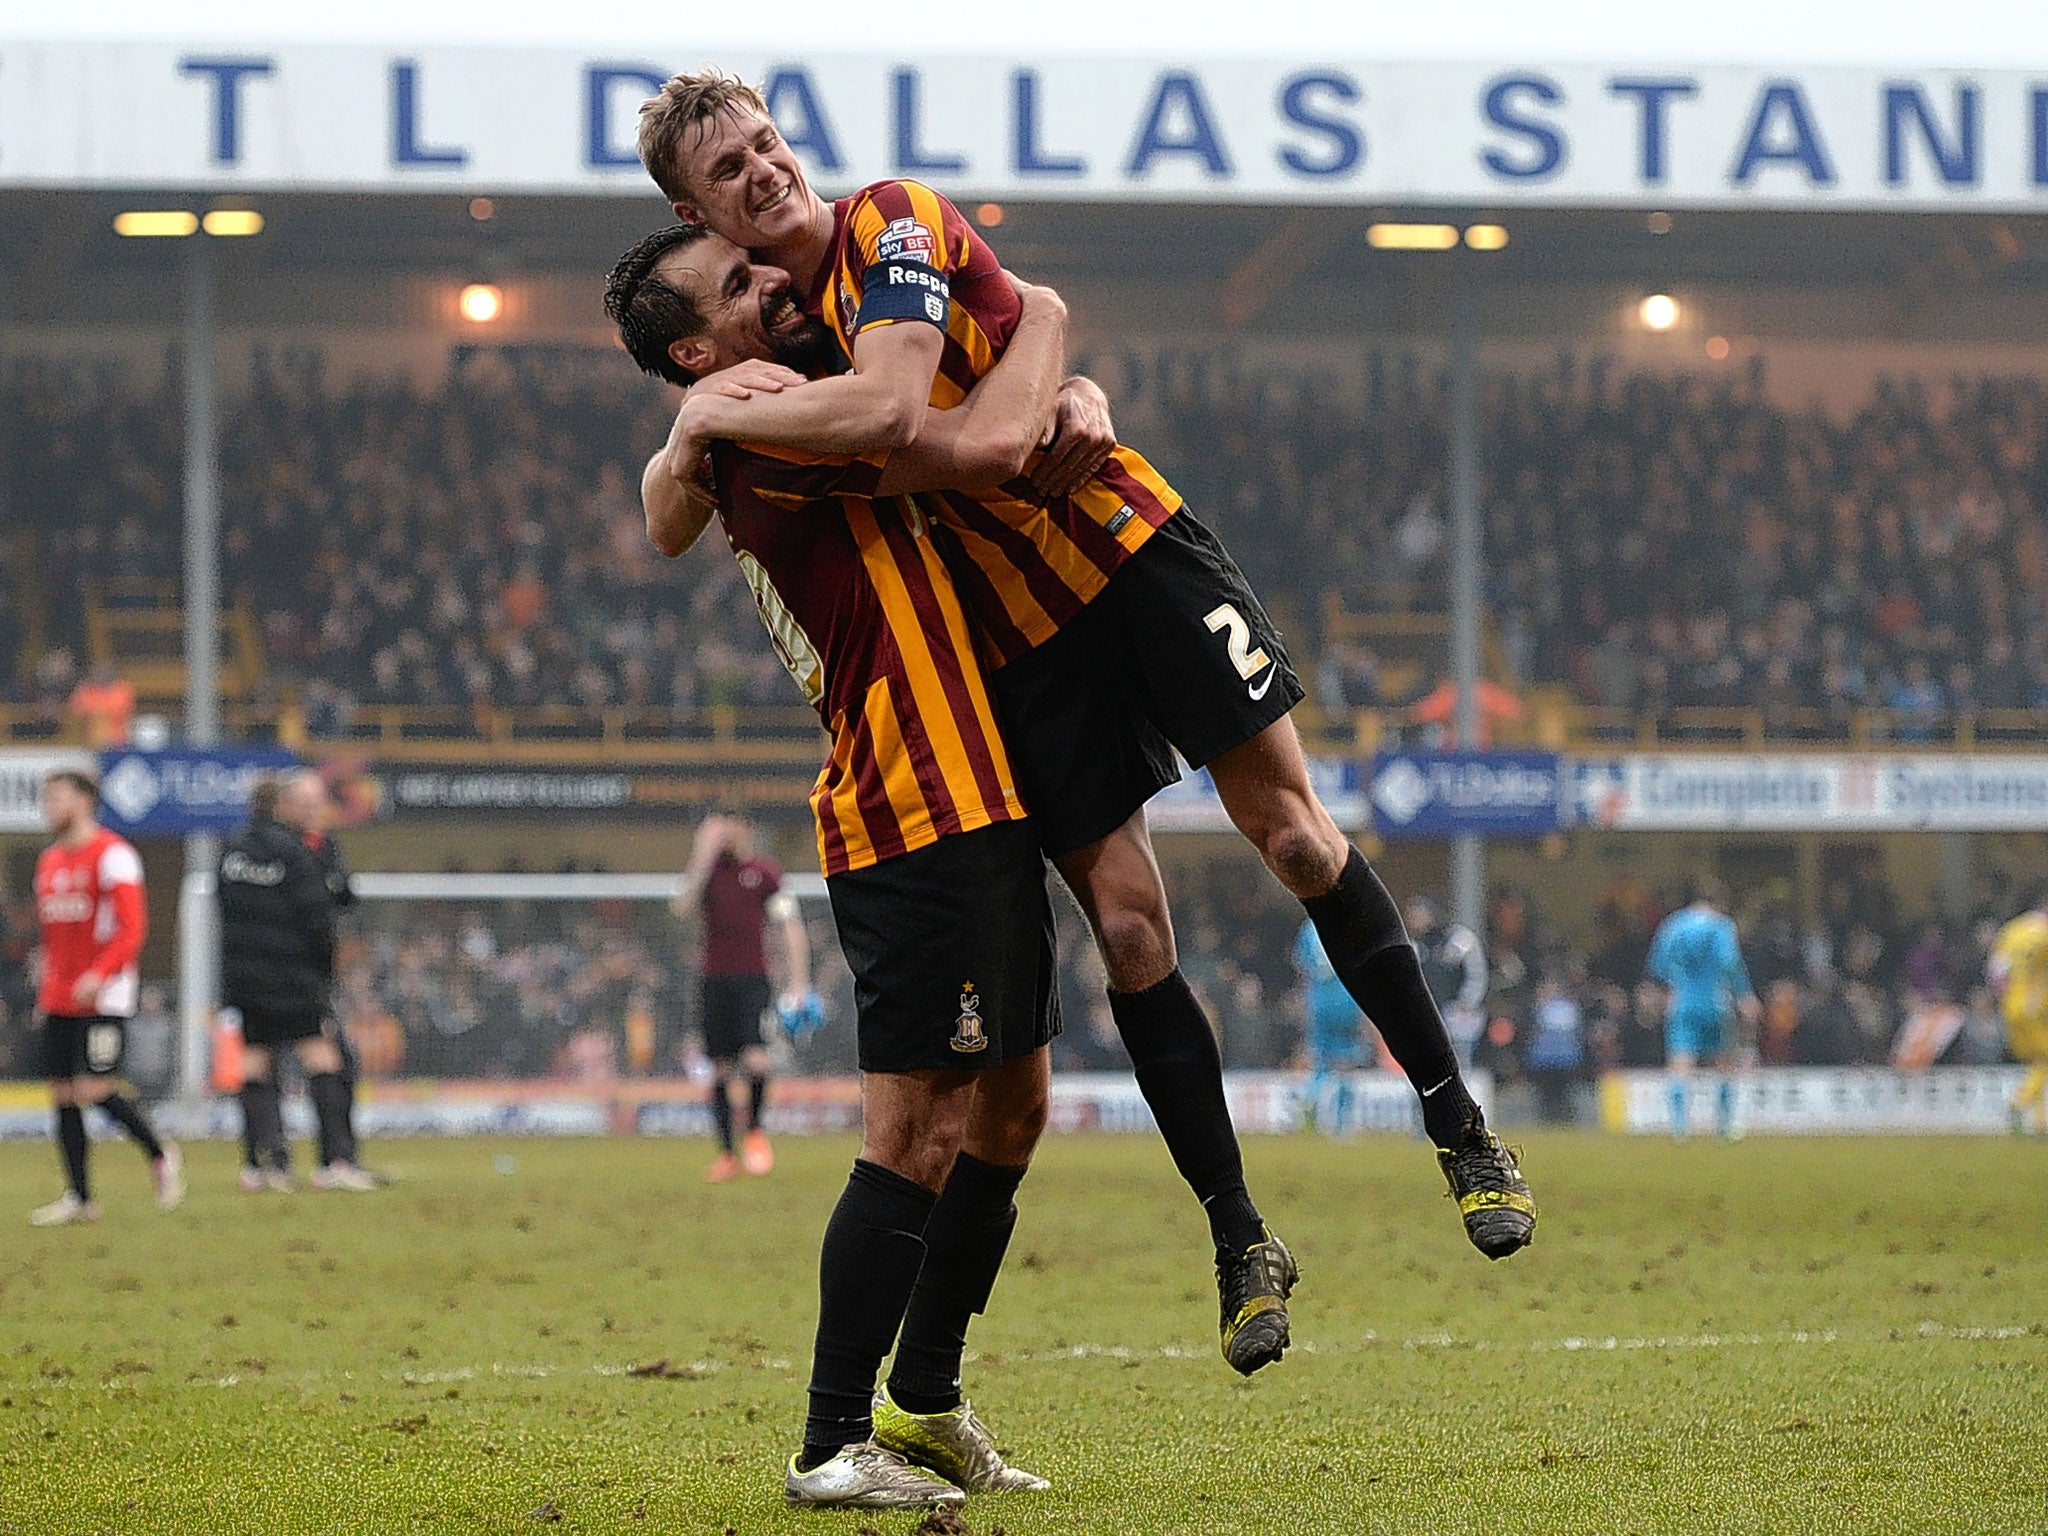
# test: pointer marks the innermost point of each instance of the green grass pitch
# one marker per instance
(1775, 1336)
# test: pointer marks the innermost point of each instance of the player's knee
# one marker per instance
(919, 1144)
(922, 1160)
(1137, 945)
(1305, 852)
(1013, 1136)
(61, 1093)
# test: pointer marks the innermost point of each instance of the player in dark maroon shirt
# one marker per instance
(735, 895)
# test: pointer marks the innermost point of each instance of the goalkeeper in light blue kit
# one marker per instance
(1696, 957)
(1337, 1043)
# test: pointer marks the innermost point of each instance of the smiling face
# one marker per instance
(747, 309)
(742, 180)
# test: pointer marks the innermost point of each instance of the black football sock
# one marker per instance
(129, 1116)
(263, 1121)
(351, 1079)
(1369, 949)
(1180, 1072)
(71, 1142)
(757, 1100)
(330, 1113)
(721, 1112)
(964, 1246)
(351, 1148)
(252, 1151)
(873, 1249)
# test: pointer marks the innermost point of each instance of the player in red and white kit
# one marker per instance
(89, 906)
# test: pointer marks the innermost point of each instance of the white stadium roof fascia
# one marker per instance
(1961, 34)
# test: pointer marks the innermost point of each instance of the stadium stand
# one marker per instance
(475, 548)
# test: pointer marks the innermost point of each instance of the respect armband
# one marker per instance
(904, 290)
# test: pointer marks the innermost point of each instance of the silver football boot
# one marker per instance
(866, 1476)
(955, 1445)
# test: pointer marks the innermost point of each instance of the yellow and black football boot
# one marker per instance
(1254, 1286)
(1493, 1197)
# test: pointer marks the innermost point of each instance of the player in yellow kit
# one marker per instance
(2019, 972)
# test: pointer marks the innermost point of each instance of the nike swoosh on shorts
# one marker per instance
(1259, 692)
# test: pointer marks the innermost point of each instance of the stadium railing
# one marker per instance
(779, 737)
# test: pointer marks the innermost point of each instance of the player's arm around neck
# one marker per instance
(678, 511)
(986, 439)
(881, 404)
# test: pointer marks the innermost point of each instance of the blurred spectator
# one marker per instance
(1556, 1054)
(104, 705)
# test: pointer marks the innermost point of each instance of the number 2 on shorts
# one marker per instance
(1247, 659)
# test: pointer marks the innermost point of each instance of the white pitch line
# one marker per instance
(1571, 1344)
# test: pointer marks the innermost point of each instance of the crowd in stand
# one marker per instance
(1656, 541)
(475, 543)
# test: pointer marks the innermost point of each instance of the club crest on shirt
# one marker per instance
(968, 1034)
(907, 240)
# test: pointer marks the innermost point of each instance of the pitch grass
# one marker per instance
(1776, 1336)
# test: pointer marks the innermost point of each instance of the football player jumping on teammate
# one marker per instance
(1110, 564)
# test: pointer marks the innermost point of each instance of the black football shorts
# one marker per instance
(82, 1047)
(731, 1012)
(951, 950)
(1175, 654)
(274, 1029)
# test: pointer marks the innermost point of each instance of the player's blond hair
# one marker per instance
(687, 102)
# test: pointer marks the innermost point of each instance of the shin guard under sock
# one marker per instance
(964, 1246)
(71, 1144)
(1369, 949)
(128, 1115)
(721, 1111)
(1180, 1072)
(330, 1112)
(263, 1120)
(867, 1266)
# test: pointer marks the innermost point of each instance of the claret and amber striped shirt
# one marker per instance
(901, 252)
(864, 614)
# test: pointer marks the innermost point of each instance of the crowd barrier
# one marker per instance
(1829, 1101)
(1790, 1101)
(1260, 1102)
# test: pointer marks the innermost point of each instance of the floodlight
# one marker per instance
(481, 303)
(1659, 312)
(231, 222)
(156, 224)
(1412, 237)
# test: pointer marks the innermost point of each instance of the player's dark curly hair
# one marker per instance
(653, 315)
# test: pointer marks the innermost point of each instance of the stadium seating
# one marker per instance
(1670, 557)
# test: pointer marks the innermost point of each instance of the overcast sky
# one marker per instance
(1961, 33)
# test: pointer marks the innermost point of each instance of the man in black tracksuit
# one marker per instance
(277, 964)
